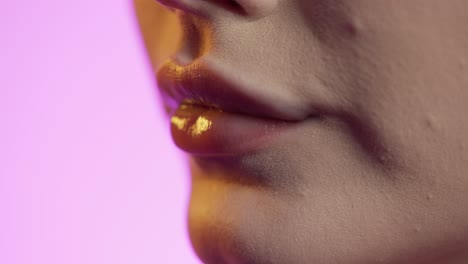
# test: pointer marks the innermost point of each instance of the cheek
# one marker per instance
(398, 75)
(398, 72)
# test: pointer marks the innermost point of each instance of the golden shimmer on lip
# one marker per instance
(201, 125)
(179, 122)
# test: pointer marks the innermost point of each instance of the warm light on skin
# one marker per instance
(161, 45)
(377, 176)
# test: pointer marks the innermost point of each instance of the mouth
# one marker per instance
(215, 111)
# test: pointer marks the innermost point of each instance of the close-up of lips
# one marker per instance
(317, 131)
(213, 113)
(234, 131)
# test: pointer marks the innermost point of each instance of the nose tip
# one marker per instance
(249, 8)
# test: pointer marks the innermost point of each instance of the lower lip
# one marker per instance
(205, 131)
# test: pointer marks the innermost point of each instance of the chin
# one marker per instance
(235, 221)
(225, 220)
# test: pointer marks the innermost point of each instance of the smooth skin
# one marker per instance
(381, 176)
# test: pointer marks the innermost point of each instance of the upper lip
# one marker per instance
(210, 85)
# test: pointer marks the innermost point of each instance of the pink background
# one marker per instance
(88, 173)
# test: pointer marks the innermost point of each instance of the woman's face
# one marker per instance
(319, 131)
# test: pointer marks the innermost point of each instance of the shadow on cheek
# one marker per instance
(329, 21)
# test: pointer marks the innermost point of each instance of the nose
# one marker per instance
(250, 8)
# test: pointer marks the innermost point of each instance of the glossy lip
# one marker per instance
(214, 86)
(214, 113)
(209, 132)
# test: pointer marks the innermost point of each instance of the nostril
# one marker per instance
(202, 6)
(250, 8)
(231, 5)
